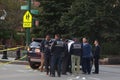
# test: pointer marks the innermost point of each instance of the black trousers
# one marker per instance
(96, 65)
(69, 66)
(65, 64)
(47, 63)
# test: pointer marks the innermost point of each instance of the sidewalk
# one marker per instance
(12, 60)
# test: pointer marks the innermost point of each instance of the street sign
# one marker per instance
(24, 7)
(34, 11)
(27, 20)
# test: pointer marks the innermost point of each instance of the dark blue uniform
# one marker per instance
(86, 57)
(45, 47)
(65, 60)
(96, 56)
(76, 49)
(57, 49)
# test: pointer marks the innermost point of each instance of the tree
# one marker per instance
(92, 18)
(95, 19)
(9, 26)
(50, 16)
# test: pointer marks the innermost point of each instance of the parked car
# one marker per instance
(34, 53)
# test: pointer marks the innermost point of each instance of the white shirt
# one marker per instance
(69, 45)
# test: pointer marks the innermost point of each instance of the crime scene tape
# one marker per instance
(1, 64)
(11, 49)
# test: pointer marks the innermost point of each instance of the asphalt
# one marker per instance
(24, 72)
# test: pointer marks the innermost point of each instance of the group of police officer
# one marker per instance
(59, 57)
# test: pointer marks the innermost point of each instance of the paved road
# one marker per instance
(23, 72)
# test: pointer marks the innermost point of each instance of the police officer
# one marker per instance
(57, 49)
(75, 51)
(86, 56)
(96, 56)
(65, 57)
(46, 45)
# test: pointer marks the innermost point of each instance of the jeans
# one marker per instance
(86, 65)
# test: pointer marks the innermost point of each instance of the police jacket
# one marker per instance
(58, 47)
(86, 50)
(96, 53)
(75, 49)
(46, 46)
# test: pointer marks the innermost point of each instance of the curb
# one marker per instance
(110, 61)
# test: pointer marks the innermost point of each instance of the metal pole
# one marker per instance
(29, 5)
(28, 29)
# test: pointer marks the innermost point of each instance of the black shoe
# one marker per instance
(89, 73)
(64, 74)
(83, 72)
(52, 75)
(16, 58)
(47, 72)
(95, 72)
(59, 75)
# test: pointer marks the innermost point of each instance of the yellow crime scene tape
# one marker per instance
(1, 64)
(12, 49)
